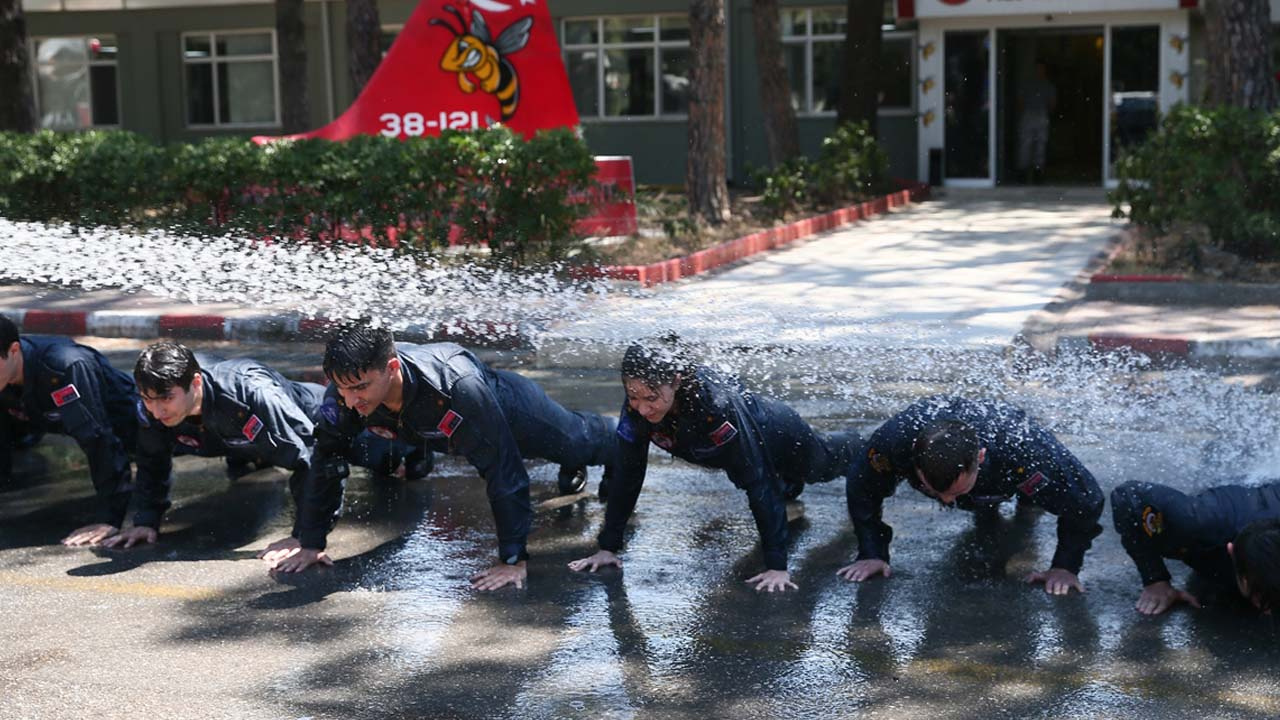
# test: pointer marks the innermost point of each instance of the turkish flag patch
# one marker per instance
(449, 423)
(251, 428)
(1029, 485)
(64, 395)
(724, 433)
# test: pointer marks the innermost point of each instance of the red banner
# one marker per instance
(464, 65)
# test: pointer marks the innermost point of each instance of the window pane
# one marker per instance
(794, 23)
(580, 32)
(829, 21)
(200, 94)
(255, 44)
(1135, 86)
(103, 47)
(106, 109)
(582, 80)
(828, 57)
(630, 29)
(62, 50)
(628, 82)
(793, 58)
(246, 93)
(196, 47)
(64, 96)
(675, 27)
(675, 81)
(385, 39)
(895, 73)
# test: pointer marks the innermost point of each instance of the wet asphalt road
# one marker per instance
(195, 627)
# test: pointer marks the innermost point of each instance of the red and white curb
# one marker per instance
(116, 324)
(1187, 348)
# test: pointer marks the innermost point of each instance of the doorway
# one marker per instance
(1050, 106)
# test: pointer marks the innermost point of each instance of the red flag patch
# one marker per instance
(724, 433)
(64, 395)
(1029, 485)
(449, 423)
(252, 428)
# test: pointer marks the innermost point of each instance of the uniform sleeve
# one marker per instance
(743, 458)
(1055, 480)
(1152, 520)
(324, 481)
(480, 432)
(6, 447)
(84, 417)
(866, 487)
(155, 473)
(627, 479)
(286, 438)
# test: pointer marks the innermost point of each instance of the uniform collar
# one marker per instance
(409, 382)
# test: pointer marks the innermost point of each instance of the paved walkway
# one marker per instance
(961, 273)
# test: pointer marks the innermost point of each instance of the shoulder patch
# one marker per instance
(329, 411)
(1028, 486)
(879, 461)
(625, 430)
(449, 423)
(65, 394)
(1152, 521)
(724, 433)
(251, 428)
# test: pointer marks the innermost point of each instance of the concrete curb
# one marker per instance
(1176, 290)
(1178, 347)
(144, 326)
(738, 249)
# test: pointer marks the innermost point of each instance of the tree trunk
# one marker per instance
(860, 79)
(775, 90)
(18, 107)
(706, 169)
(295, 107)
(364, 34)
(1239, 53)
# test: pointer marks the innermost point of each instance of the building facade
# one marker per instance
(958, 77)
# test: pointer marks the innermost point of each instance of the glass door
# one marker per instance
(967, 82)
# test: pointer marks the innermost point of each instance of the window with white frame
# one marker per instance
(77, 83)
(231, 78)
(813, 50)
(628, 66)
(387, 37)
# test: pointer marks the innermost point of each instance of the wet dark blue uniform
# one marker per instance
(455, 404)
(1022, 459)
(71, 389)
(762, 444)
(1156, 522)
(249, 413)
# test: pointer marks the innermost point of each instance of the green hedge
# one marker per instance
(492, 186)
(1216, 167)
(850, 167)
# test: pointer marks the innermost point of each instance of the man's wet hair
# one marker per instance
(1256, 553)
(164, 366)
(357, 348)
(8, 335)
(943, 450)
(657, 360)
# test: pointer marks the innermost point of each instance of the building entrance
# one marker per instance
(1049, 121)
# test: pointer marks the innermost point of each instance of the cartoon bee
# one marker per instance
(475, 53)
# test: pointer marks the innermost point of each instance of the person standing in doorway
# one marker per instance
(1035, 106)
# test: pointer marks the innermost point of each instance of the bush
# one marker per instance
(850, 167)
(488, 186)
(1216, 167)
